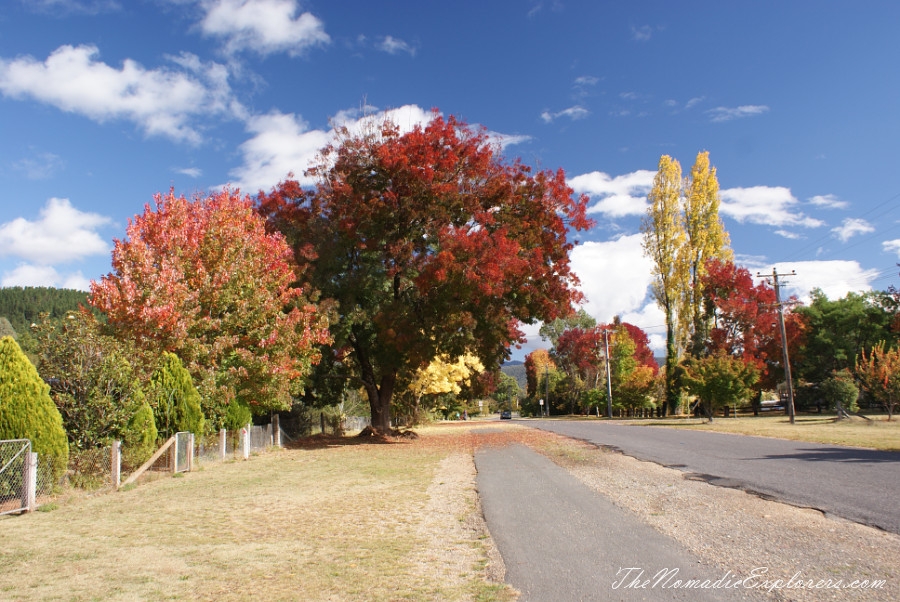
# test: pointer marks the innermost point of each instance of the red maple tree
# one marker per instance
(746, 320)
(202, 278)
(431, 244)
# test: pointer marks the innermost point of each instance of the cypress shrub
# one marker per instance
(139, 440)
(237, 416)
(175, 400)
(27, 412)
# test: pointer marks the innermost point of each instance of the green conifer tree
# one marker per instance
(174, 398)
(140, 434)
(27, 412)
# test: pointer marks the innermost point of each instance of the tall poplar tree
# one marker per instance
(664, 238)
(705, 239)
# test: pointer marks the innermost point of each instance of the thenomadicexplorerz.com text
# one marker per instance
(758, 578)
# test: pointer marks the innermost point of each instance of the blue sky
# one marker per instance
(105, 102)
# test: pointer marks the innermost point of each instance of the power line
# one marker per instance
(825, 237)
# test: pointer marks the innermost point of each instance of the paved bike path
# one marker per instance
(561, 541)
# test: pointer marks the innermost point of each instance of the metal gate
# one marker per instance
(17, 476)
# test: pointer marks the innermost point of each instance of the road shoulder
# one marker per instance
(560, 540)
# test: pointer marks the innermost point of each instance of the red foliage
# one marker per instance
(437, 245)
(746, 320)
(202, 278)
(579, 347)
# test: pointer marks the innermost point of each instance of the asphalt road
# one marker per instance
(857, 484)
(561, 541)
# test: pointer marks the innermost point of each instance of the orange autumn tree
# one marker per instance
(203, 279)
(431, 245)
(879, 373)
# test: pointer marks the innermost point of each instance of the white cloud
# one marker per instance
(828, 201)
(694, 102)
(766, 205)
(891, 246)
(393, 45)
(615, 279)
(43, 275)
(586, 80)
(263, 26)
(39, 166)
(62, 234)
(282, 143)
(504, 140)
(720, 114)
(160, 101)
(642, 33)
(850, 227)
(573, 113)
(619, 196)
(788, 234)
(615, 275)
(192, 172)
(835, 278)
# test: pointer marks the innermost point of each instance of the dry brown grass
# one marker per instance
(877, 433)
(333, 520)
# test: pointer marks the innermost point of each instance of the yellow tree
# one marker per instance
(664, 239)
(705, 239)
(443, 375)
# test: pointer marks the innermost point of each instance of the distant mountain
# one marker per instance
(514, 363)
(22, 306)
(517, 371)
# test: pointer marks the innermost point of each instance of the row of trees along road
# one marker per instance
(404, 271)
(723, 344)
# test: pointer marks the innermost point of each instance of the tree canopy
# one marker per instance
(203, 279)
(431, 245)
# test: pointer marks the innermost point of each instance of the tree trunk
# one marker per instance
(380, 402)
(380, 392)
(672, 399)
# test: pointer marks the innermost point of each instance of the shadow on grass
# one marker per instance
(322, 441)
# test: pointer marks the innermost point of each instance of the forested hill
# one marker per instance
(517, 371)
(22, 306)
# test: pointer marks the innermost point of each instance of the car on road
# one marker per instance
(505, 415)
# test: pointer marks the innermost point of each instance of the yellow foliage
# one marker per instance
(443, 375)
(664, 238)
(706, 238)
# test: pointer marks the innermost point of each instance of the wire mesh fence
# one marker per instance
(183, 452)
(90, 469)
(14, 455)
(104, 468)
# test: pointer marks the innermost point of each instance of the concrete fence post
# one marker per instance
(276, 431)
(223, 439)
(245, 443)
(115, 464)
(190, 458)
(29, 489)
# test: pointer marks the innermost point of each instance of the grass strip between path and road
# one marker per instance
(337, 520)
(876, 433)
